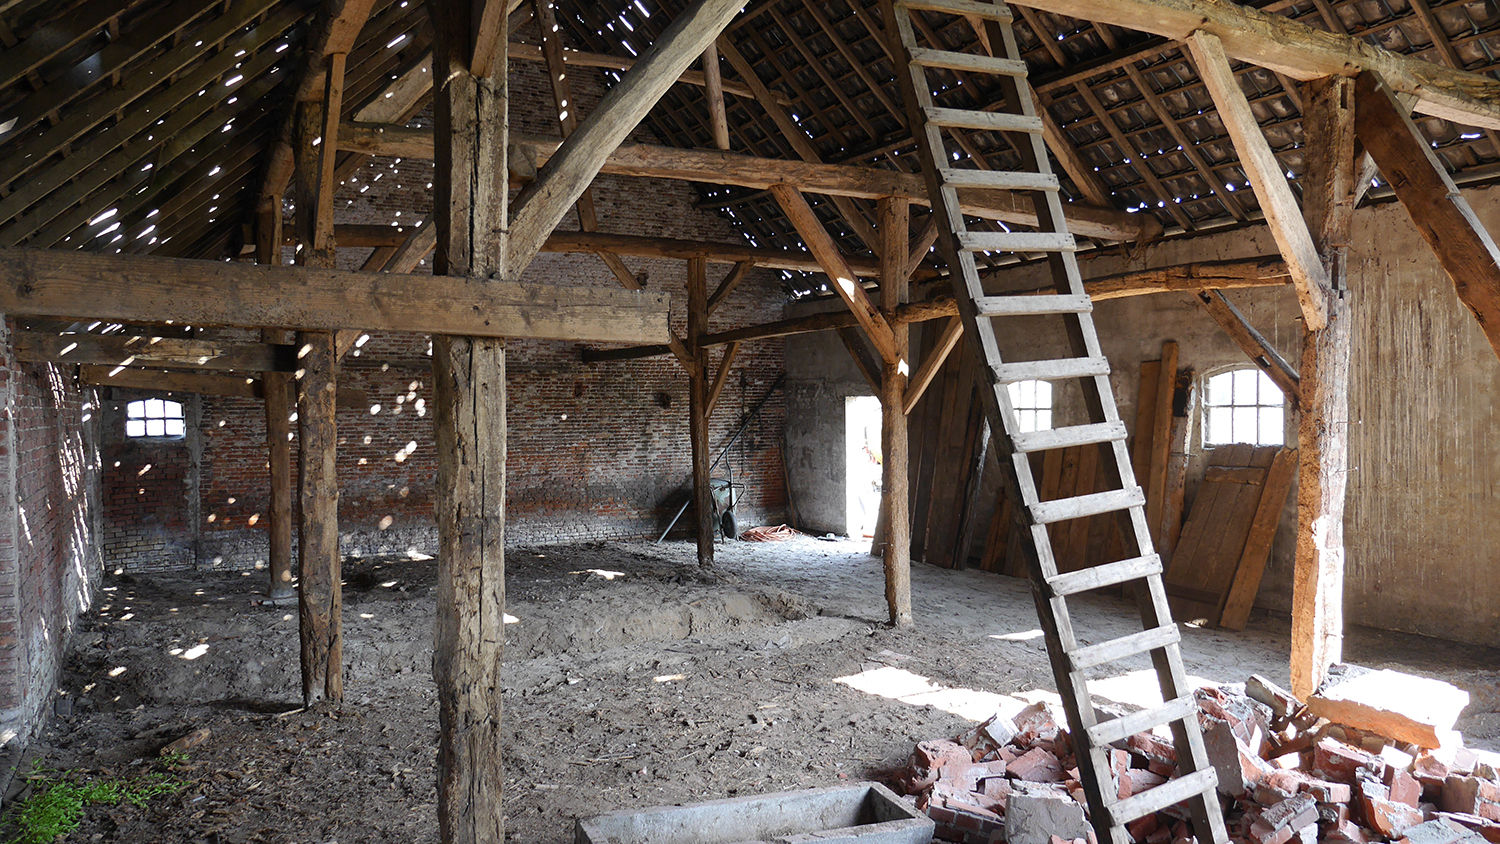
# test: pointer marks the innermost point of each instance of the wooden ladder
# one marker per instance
(1195, 783)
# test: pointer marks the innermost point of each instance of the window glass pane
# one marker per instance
(1043, 394)
(155, 428)
(1015, 394)
(1244, 386)
(135, 410)
(1027, 420)
(172, 409)
(1218, 425)
(1245, 424)
(135, 428)
(1219, 389)
(1270, 394)
(1044, 420)
(175, 428)
(1271, 429)
(153, 409)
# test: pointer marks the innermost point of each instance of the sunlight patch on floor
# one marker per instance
(914, 689)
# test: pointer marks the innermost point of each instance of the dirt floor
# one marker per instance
(632, 679)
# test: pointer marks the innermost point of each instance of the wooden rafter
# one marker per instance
(1251, 342)
(1276, 42)
(1283, 216)
(567, 119)
(564, 177)
(1465, 249)
(723, 168)
(822, 246)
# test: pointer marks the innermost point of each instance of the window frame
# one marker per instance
(146, 411)
(1264, 388)
(1035, 409)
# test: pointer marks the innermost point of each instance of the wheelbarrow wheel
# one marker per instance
(729, 525)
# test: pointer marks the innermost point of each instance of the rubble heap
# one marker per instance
(1286, 772)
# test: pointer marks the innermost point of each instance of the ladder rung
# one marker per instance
(1050, 370)
(1169, 793)
(984, 121)
(1082, 506)
(998, 179)
(1114, 650)
(1016, 242)
(987, 11)
(1099, 432)
(928, 57)
(1051, 303)
(1111, 731)
(1109, 574)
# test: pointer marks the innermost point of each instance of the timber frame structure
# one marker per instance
(161, 155)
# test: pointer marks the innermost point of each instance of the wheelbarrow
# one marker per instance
(726, 494)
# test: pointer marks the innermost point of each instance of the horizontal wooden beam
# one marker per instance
(165, 352)
(722, 253)
(1183, 278)
(726, 168)
(604, 61)
(196, 383)
(70, 283)
(373, 236)
(1281, 44)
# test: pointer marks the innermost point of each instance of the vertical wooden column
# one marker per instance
(697, 326)
(469, 106)
(280, 399)
(1329, 189)
(893, 217)
(320, 601)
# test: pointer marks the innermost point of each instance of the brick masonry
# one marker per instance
(595, 451)
(49, 530)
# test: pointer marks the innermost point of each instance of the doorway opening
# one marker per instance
(862, 464)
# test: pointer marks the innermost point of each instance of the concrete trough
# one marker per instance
(864, 813)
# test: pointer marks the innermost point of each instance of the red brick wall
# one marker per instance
(149, 487)
(49, 529)
(593, 453)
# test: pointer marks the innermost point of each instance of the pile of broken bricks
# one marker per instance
(1371, 757)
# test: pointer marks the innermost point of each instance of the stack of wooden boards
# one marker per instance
(1216, 568)
(1215, 557)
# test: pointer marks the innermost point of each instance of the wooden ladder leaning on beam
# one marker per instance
(1196, 783)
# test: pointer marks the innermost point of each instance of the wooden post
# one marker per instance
(698, 387)
(469, 391)
(321, 599)
(280, 399)
(893, 217)
(1323, 402)
(320, 602)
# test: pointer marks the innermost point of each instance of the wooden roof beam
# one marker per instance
(578, 160)
(61, 283)
(1269, 271)
(1282, 213)
(1444, 218)
(164, 352)
(724, 168)
(1281, 44)
(195, 383)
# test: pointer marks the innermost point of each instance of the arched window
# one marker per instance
(1033, 403)
(155, 418)
(1243, 406)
